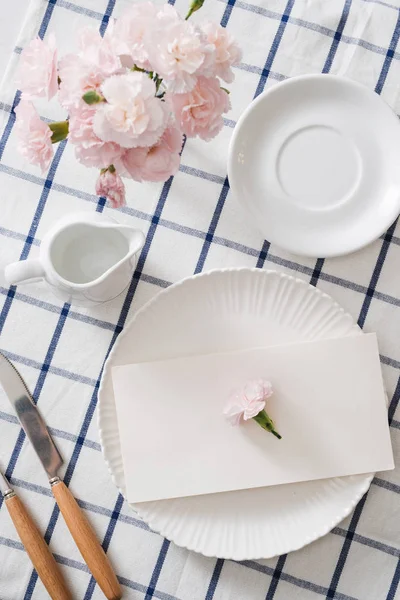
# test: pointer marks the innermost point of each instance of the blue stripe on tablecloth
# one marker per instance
(331, 592)
(29, 362)
(38, 388)
(361, 321)
(214, 579)
(276, 575)
(213, 225)
(394, 402)
(80, 10)
(325, 31)
(157, 569)
(262, 256)
(327, 67)
(64, 312)
(337, 37)
(261, 84)
(389, 56)
(138, 523)
(289, 264)
(274, 47)
(375, 275)
(9, 124)
(106, 541)
(265, 74)
(297, 581)
(34, 225)
(68, 562)
(224, 192)
(121, 321)
(394, 583)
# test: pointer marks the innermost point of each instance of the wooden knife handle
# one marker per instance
(87, 542)
(37, 549)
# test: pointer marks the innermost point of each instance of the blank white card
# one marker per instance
(328, 405)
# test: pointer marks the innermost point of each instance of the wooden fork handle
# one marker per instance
(87, 542)
(37, 549)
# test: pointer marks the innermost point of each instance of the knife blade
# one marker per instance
(35, 546)
(42, 442)
(29, 417)
(5, 488)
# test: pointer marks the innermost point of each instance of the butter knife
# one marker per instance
(37, 549)
(42, 442)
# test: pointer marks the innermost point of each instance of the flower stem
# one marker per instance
(196, 5)
(266, 423)
(60, 131)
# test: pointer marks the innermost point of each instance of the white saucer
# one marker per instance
(315, 160)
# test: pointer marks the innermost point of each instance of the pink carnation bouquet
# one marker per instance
(130, 96)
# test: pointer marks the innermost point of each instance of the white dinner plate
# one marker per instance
(220, 311)
(315, 160)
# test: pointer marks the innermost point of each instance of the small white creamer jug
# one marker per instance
(86, 258)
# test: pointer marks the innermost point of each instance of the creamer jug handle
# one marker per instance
(24, 271)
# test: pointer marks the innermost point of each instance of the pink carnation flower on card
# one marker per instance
(34, 135)
(249, 403)
(37, 69)
(199, 112)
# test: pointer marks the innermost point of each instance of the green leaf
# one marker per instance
(60, 131)
(92, 97)
(225, 90)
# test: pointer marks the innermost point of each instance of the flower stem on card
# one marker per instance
(266, 423)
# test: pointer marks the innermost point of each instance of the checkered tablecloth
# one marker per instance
(192, 223)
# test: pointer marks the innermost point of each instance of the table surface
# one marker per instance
(192, 224)
(12, 14)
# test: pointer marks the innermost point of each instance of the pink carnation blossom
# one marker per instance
(90, 150)
(77, 78)
(249, 402)
(157, 163)
(177, 51)
(226, 52)
(98, 51)
(131, 116)
(110, 185)
(199, 112)
(85, 71)
(34, 135)
(37, 69)
(129, 34)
